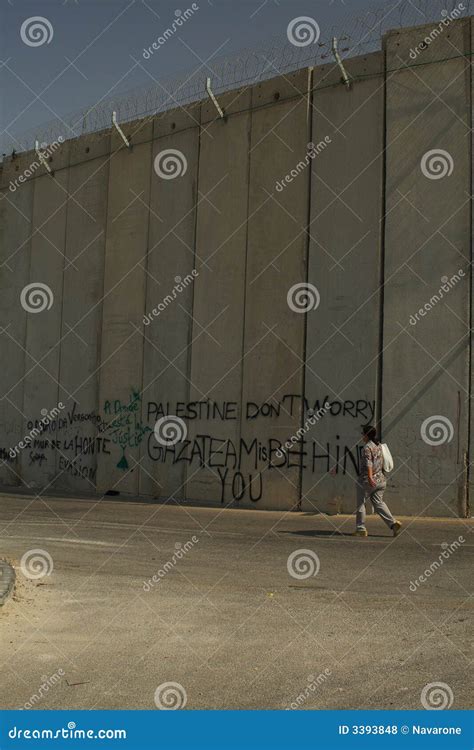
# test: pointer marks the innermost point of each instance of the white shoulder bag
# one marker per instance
(387, 458)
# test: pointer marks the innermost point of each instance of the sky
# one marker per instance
(94, 49)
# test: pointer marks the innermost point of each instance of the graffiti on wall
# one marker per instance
(290, 405)
(72, 442)
(123, 424)
(240, 464)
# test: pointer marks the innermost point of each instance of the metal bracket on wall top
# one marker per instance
(213, 98)
(337, 57)
(119, 130)
(42, 158)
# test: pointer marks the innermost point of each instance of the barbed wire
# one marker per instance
(360, 35)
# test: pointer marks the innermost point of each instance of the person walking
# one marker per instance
(372, 483)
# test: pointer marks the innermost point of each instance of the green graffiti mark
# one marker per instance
(125, 429)
(123, 463)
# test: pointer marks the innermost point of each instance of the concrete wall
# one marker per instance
(345, 258)
(219, 293)
(274, 335)
(43, 329)
(171, 259)
(228, 278)
(16, 211)
(426, 386)
(470, 467)
(125, 272)
(81, 325)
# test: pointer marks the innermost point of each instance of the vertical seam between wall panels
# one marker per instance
(467, 458)
(306, 272)
(33, 190)
(382, 235)
(101, 321)
(189, 358)
(142, 447)
(244, 306)
(68, 177)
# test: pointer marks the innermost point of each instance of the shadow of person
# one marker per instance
(328, 533)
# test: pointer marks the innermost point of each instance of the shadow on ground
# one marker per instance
(328, 533)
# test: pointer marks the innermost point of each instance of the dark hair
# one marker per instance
(369, 431)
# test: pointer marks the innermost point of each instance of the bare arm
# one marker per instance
(370, 466)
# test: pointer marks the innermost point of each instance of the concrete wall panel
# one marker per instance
(16, 206)
(342, 342)
(428, 234)
(470, 497)
(43, 324)
(79, 435)
(219, 298)
(276, 261)
(123, 309)
(169, 292)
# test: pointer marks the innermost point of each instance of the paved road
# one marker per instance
(227, 621)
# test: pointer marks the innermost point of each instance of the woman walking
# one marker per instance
(372, 483)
